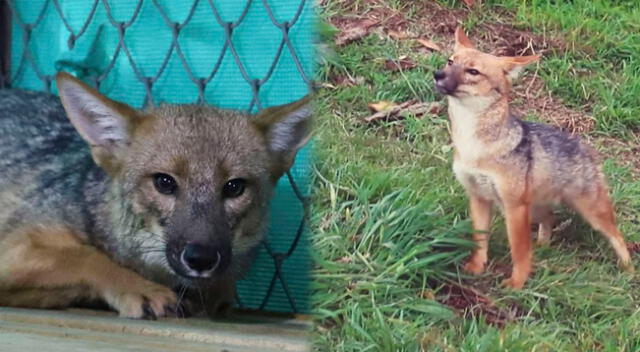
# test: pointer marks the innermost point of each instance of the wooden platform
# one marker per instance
(83, 330)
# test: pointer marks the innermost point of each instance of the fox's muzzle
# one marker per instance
(445, 83)
(198, 241)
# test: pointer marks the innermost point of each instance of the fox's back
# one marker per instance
(562, 164)
(44, 161)
(555, 163)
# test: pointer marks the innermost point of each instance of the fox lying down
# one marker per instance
(102, 202)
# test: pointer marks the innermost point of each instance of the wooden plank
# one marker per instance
(21, 329)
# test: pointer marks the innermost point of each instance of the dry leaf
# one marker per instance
(429, 44)
(382, 106)
(398, 35)
(427, 294)
(419, 109)
(403, 63)
(434, 108)
(326, 85)
(337, 81)
(340, 80)
(354, 30)
(345, 81)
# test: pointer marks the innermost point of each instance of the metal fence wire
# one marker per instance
(27, 61)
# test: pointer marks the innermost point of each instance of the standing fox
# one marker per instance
(175, 195)
(522, 167)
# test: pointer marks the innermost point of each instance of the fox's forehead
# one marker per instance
(473, 58)
(200, 142)
(201, 125)
(197, 119)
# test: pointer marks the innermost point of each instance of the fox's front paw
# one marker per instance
(627, 267)
(474, 267)
(512, 283)
(143, 300)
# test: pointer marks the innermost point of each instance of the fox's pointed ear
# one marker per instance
(514, 65)
(286, 129)
(104, 124)
(462, 41)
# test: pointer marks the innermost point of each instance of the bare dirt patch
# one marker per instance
(436, 24)
(357, 22)
(470, 302)
(533, 97)
(497, 38)
(633, 247)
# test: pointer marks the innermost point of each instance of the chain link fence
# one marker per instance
(232, 54)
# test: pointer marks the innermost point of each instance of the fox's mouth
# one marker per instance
(442, 88)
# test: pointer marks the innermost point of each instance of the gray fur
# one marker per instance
(48, 176)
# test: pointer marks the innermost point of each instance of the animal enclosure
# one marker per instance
(245, 55)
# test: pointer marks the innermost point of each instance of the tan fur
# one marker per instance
(51, 267)
(499, 161)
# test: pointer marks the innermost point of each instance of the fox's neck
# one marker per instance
(477, 123)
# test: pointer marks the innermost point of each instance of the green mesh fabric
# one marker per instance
(233, 54)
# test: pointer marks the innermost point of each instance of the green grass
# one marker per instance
(601, 71)
(391, 221)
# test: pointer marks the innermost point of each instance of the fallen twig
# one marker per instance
(400, 111)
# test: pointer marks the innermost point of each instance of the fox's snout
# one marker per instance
(202, 260)
(198, 238)
(445, 84)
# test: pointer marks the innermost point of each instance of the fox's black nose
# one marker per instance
(438, 75)
(200, 258)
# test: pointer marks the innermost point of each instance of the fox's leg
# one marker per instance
(597, 209)
(544, 216)
(50, 267)
(481, 219)
(518, 232)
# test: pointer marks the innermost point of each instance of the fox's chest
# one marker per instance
(476, 182)
(466, 133)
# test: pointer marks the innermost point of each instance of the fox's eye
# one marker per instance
(473, 71)
(233, 188)
(164, 183)
(449, 62)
